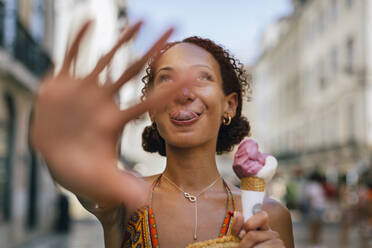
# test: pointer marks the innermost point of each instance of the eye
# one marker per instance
(164, 78)
(205, 77)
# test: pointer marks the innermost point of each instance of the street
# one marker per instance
(88, 234)
(83, 234)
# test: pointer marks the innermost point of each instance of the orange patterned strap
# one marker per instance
(153, 231)
(226, 225)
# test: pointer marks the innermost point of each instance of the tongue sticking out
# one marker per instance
(184, 115)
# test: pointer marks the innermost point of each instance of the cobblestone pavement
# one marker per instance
(88, 234)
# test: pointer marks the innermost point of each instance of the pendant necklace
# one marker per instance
(193, 199)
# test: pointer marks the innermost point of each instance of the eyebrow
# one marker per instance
(168, 68)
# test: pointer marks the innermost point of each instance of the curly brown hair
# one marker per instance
(235, 79)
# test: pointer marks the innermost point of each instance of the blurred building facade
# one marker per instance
(110, 20)
(26, 191)
(34, 34)
(312, 103)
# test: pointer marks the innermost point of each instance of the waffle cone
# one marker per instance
(224, 242)
(253, 184)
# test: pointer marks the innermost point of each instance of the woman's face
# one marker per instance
(193, 118)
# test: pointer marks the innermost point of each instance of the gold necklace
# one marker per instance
(193, 199)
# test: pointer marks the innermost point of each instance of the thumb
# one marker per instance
(237, 224)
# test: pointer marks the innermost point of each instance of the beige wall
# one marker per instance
(16, 231)
(293, 112)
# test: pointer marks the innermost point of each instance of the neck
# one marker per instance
(191, 169)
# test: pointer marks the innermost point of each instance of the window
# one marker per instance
(310, 30)
(351, 122)
(349, 3)
(37, 21)
(334, 10)
(4, 127)
(336, 127)
(322, 79)
(7, 132)
(321, 21)
(349, 55)
(334, 61)
(10, 10)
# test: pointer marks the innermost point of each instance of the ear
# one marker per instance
(231, 103)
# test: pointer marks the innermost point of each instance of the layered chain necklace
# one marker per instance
(193, 199)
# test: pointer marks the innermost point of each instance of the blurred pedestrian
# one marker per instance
(316, 199)
(294, 196)
(364, 210)
(347, 210)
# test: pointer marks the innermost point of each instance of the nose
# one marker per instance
(184, 96)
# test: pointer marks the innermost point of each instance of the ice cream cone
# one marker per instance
(253, 193)
(253, 184)
(255, 169)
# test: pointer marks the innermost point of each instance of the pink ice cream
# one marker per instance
(248, 159)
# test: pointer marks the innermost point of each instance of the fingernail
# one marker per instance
(242, 234)
(265, 214)
(234, 214)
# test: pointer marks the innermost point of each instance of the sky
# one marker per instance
(235, 24)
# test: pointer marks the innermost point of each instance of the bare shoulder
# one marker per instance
(279, 220)
(276, 210)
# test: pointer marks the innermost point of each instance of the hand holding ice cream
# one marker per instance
(255, 169)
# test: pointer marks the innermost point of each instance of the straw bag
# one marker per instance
(224, 242)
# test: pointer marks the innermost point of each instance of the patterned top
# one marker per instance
(141, 228)
(142, 233)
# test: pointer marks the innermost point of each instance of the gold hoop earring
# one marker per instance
(227, 122)
(153, 126)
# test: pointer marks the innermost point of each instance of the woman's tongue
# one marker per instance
(184, 115)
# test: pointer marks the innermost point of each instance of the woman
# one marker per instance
(193, 90)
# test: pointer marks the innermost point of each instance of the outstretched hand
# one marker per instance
(76, 126)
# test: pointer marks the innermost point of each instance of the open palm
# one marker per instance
(77, 124)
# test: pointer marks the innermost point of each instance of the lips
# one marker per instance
(184, 117)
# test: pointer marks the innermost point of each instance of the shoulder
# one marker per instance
(276, 210)
(279, 220)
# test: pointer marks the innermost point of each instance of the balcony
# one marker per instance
(24, 48)
(29, 53)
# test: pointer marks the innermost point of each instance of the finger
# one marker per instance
(103, 62)
(257, 237)
(237, 224)
(242, 234)
(157, 100)
(71, 53)
(135, 68)
(258, 221)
